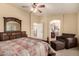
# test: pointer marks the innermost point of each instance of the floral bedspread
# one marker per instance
(24, 47)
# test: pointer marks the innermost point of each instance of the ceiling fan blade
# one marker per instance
(41, 6)
(40, 11)
(25, 6)
(33, 5)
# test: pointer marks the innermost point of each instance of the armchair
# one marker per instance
(69, 39)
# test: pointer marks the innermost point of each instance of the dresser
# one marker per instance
(12, 35)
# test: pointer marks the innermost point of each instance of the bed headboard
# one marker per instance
(12, 35)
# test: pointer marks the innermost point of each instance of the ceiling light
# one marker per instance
(35, 10)
(32, 9)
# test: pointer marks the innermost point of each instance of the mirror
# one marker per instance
(12, 24)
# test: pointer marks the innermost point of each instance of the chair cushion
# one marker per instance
(57, 45)
(58, 42)
(70, 40)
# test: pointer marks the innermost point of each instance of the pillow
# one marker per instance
(70, 40)
(65, 35)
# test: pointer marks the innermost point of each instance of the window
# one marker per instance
(55, 27)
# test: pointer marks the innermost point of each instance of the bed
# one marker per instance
(24, 46)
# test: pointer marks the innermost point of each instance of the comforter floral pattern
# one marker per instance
(24, 47)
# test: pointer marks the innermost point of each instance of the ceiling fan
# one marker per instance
(37, 6)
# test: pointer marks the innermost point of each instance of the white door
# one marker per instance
(38, 30)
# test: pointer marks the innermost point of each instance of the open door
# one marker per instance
(38, 30)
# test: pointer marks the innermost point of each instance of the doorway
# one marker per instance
(37, 30)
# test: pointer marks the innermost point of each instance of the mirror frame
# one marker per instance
(7, 19)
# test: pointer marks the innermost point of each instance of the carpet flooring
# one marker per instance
(68, 52)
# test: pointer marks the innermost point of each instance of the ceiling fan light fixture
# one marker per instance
(36, 7)
(35, 10)
(32, 9)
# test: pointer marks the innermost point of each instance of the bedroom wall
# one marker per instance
(34, 19)
(78, 26)
(46, 19)
(8, 10)
(68, 23)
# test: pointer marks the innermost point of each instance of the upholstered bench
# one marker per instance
(57, 45)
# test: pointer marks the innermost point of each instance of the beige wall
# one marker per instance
(45, 25)
(78, 26)
(46, 20)
(8, 10)
(68, 23)
(34, 19)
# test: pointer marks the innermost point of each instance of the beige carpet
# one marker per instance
(68, 52)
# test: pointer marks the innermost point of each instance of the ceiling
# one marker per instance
(52, 8)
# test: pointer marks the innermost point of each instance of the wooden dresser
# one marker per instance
(12, 35)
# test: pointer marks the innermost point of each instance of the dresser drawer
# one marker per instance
(4, 36)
